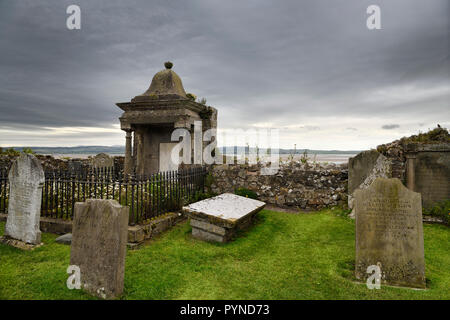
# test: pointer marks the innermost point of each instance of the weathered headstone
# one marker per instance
(363, 169)
(218, 218)
(102, 160)
(99, 239)
(26, 179)
(75, 166)
(389, 233)
(360, 167)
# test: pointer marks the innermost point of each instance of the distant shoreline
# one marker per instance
(84, 152)
(120, 150)
(331, 158)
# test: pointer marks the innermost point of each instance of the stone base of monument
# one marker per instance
(219, 218)
(19, 244)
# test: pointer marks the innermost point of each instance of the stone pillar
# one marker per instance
(134, 144)
(185, 124)
(197, 143)
(140, 156)
(410, 179)
(128, 166)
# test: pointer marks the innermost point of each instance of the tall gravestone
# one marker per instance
(26, 179)
(99, 239)
(389, 233)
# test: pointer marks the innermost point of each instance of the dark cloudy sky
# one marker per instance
(310, 68)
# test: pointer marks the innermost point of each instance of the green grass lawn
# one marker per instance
(284, 256)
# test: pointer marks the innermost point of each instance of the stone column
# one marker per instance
(140, 156)
(185, 124)
(410, 176)
(197, 143)
(128, 160)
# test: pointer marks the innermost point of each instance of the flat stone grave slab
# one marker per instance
(218, 218)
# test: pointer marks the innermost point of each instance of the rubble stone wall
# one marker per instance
(296, 184)
(50, 163)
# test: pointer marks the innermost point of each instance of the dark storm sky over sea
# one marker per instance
(310, 68)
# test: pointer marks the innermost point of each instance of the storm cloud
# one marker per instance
(310, 68)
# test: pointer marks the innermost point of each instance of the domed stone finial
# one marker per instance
(166, 85)
(168, 65)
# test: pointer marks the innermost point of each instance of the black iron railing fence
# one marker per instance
(4, 190)
(146, 196)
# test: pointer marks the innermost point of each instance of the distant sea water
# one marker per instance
(330, 158)
(79, 155)
(337, 158)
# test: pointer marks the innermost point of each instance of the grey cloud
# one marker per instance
(263, 61)
(390, 126)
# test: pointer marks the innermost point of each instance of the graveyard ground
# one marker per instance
(284, 256)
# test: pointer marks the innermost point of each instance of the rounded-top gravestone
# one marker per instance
(102, 160)
(26, 179)
(389, 233)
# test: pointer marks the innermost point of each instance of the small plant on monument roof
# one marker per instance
(191, 96)
(202, 101)
(206, 113)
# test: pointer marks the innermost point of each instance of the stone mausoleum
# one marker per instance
(150, 118)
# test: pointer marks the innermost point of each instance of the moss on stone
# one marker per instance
(436, 135)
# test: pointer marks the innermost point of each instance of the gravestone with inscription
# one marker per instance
(99, 239)
(389, 233)
(26, 179)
